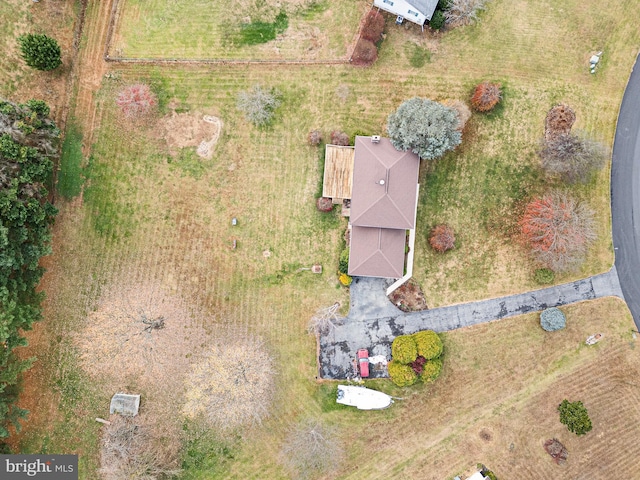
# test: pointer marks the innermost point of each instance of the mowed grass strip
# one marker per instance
(320, 30)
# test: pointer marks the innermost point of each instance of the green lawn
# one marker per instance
(310, 30)
(150, 218)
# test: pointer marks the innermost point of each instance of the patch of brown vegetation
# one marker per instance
(464, 112)
(557, 450)
(181, 130)
(409, 297)
(559, 121)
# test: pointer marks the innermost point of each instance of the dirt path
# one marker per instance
(90, 69)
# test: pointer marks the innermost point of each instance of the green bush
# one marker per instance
(575, 416)
(552, 319)
(428, 344)
(40, 51)
(402, 375)
(343, 262)
(544, 276)
(431, 370)
(404, 349)
(437, 21)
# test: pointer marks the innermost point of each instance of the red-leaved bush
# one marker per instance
(486, 96)
(339, 138)
(373, 26)
(136, 101)
(365, 53)
(559, 230)
(324, 204)
(442, 238)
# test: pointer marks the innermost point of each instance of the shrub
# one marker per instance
(425, 127)
(558, 230)
(463, 111)
(486, 96)
(552, 319)
(373, 26)
(575, 416)
(343, 262)
(324, 204)
(431, 370)
(571, 158)
(402, 375)
(258, 104)
(40, 51)
(463, 12)
(136, 101)
(428, 344)
(559, 121)
(418, 364)
(438, 20)
(404, 349)
(442, 238)
(345, 279)
(315, 137)
(339, 138)
(365, 53)
(544, 276)
(557, 450)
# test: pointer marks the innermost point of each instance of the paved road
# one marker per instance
(625, 194)
(374, 321)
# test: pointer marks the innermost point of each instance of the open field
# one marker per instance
(150, 218)
(313, 29)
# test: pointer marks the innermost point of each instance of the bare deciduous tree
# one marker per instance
(129, 451)
(463, 12)
(232, 385)
(571, 158)
(137, 101)
(311, 448)
(558, 230)
(325, 320)
(258, 104)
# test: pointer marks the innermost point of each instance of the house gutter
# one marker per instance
(412, 241)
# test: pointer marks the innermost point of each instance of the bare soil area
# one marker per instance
(181, 130)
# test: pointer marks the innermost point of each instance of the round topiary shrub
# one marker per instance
(402, 375)
(552, 319)
(339, 138)
(486, 96)
(544, 276)
(404, 349)
(324, 204)
(428, 344)
(442, 238)
(365, 53)
(431, 370)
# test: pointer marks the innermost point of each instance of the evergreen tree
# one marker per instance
(40, 51)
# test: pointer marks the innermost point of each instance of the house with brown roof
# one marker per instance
(384, 201)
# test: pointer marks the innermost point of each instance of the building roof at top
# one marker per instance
(384, 193)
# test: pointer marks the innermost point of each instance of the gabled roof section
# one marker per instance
(377, 252)
(425, 7)
(384, 185)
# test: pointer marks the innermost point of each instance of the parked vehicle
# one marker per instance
(363, 362)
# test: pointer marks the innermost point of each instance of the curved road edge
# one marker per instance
(625, 193)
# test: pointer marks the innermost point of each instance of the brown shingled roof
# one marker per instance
(384, 191)
(377, 252)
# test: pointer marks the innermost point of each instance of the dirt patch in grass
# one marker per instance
(182, 130)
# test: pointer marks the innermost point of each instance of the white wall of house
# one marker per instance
(401, 7)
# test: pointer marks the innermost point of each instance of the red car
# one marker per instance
(363, 362)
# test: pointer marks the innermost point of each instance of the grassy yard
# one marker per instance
(147, 219)
(298, 29)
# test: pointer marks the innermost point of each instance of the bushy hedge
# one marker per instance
(400, 374)
(404, 349)
(552, 319)
(428, 344)
(343, 262)
(431, 370)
